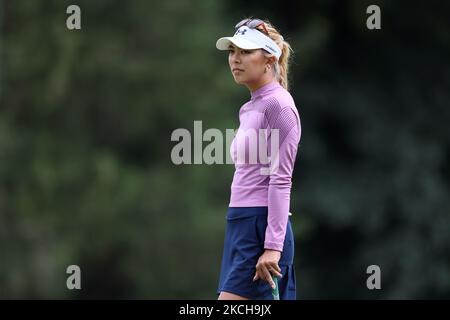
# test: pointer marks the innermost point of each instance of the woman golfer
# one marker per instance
(259, 242)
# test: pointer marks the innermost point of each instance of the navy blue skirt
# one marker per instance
(243, 245)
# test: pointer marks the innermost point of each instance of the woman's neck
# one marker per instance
(263, 81)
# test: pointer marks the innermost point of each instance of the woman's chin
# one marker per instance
(239, 80)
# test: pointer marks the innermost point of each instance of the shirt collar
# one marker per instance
(264, 89)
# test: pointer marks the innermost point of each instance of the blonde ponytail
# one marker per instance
(282, 65)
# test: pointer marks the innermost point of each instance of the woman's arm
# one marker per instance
(280, 182)
(280, 178)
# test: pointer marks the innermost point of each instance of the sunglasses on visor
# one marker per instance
(253, 24)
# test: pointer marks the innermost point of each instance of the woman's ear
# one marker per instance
(270, 61)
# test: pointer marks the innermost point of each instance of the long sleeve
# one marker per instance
(267, 183)
(280, 180)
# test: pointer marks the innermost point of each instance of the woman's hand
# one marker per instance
(267, 264)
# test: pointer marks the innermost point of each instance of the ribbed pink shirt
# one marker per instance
(270, 107)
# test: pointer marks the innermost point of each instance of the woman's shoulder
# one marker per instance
(281, 96)
(280, 110)
(278, 102)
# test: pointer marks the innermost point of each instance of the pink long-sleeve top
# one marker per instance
(270, 107)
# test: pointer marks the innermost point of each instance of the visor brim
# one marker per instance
(224, 43)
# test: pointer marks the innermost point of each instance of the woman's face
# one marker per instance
(247, 66)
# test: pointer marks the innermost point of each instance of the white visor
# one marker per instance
(249, 39)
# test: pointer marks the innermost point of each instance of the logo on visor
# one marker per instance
(272, 49)
(241, 32)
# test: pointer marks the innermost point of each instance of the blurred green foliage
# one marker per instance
(86, 118)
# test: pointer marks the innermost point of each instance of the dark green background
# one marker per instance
(85, 122)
